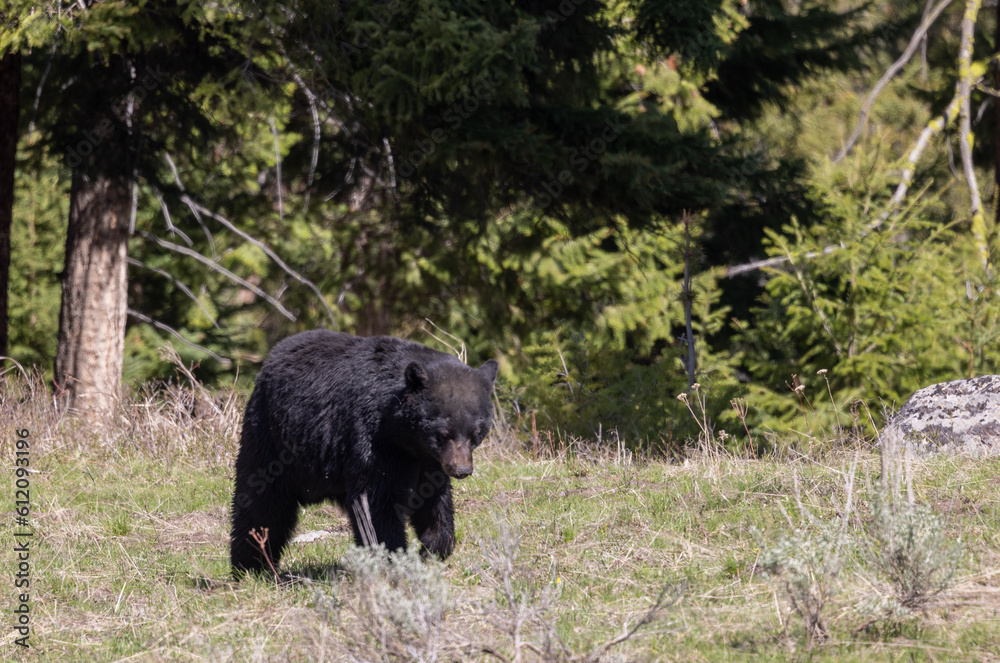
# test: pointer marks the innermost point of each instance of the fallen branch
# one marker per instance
(674, 592)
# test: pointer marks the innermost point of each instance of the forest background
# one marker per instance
(617, 200)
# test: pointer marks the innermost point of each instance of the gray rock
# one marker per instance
(962, 416)
(309, 537)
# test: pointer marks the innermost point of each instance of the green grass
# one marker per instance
(129, 560)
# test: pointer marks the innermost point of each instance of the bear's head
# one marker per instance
(451, 409)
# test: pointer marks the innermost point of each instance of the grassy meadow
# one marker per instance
(572, 554)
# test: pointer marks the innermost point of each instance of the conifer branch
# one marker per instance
(889, 74)
(817, 309)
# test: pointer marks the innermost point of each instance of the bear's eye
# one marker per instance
(444, 435)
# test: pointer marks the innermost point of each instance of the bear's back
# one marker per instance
(320, 364)
(324, 349)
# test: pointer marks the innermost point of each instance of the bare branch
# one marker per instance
(347, 178)
(198, 210)
(688, 300)
(183, 288)
(392, 165)
(197, 215)
(277, 167)
(41, 83)
(142, 317)
(270, 253)
(171, 228)
(674, 593)
(133, 185)
(923, 46)
(753, 265)
(211, 264)
(965, 81)
(889, 74)
(933, 128)
(316, 136)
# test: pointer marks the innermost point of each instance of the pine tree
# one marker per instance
(122, 82)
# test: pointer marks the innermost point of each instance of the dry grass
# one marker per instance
(130, 557)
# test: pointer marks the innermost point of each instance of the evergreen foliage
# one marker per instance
(515, 174)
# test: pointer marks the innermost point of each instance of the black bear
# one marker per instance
(377, 420)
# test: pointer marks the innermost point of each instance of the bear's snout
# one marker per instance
(457, 459)
(459, 472)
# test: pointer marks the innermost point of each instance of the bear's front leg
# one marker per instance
(434, 522)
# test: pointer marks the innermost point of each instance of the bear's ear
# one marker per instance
(416, 376)
(490, 369)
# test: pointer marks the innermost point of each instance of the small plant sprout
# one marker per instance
(741, 408)
(799, 389)
(260, 537)
(829, 390)
(702, 419)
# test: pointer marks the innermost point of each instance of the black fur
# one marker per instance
(334, 416)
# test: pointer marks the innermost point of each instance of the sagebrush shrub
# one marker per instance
(398, 604)
(917, 558)
(808, 565)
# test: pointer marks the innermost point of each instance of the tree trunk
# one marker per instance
(94, 296)
(10, 85)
